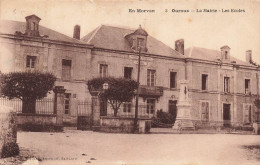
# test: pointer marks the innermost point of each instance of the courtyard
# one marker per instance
(87, 147)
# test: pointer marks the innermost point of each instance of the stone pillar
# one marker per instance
(183, 119)
(59, 108)
(95, 108)
(8, 132)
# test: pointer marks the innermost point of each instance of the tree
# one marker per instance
(120, 90)
(27, 86)
(257, 104)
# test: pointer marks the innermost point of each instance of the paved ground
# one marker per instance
(85, 147)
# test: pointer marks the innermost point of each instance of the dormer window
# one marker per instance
(137, 39)
(32, 29)
(225, 52)
(140, 43)
(226, 55)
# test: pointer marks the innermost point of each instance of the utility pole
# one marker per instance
(137, 93)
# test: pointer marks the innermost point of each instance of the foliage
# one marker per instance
(10, 149)
(165, 117)
(26, 84)
(257, 103)
(119, 90)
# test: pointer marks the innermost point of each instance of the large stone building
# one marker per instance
(222, 89)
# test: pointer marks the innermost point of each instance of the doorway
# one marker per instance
(226, 115)
(173, 109)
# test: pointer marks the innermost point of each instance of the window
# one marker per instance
(151, 77)
(67, 103)
(150, 106)
(140, 43)
(247, 86)
(127, 107)
(204, 109)
(204, 82)
(128, 72)
(30, 62)
(173, 79)
(66, 69)
(226, 84)
(226, 55)
(103, 70)
(247, 113)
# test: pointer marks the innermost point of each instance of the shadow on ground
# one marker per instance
(252, 152)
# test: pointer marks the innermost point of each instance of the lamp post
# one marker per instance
(137, 93)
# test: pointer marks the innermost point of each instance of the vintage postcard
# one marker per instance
(135, 82)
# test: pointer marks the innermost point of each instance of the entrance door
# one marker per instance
(173, 109)
(226, 115)
(103, 107)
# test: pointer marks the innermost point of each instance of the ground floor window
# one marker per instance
(247, 113)
(150, 108)
(204, 110)
(127, 107)
(67, 102)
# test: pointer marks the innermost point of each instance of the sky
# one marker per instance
(212, 30)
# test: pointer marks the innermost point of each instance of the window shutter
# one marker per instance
(246, 113)
(203, 112)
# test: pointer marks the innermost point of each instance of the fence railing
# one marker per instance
(130, 113)
(43, 106)
(84, 108)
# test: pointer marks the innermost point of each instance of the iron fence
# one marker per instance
(130, 113)
(43, 106)
(84, 108)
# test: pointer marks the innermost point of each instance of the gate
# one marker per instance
(84, 115)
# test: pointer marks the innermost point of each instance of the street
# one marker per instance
(81, 147)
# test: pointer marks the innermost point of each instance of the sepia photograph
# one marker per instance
(129, 82)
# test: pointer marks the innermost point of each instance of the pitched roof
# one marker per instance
(110, 37)
(10, 27)
(209, 54)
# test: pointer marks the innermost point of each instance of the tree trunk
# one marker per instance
(115, 112)
(28, 105)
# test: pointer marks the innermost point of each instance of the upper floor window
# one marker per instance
(151, 77)
(204, 82)
(103, 70)
(128, 72)
(173, 79)
(30, 62)
(66, 69)
(226, 84)
(247, 86)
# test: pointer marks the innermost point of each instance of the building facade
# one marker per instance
(222, 89)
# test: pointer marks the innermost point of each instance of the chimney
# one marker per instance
(249, 56)
(179, 46)
(76, 33)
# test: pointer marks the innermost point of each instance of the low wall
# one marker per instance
(37, 122)
(122, 125)
(220, 125)
(8, 132)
